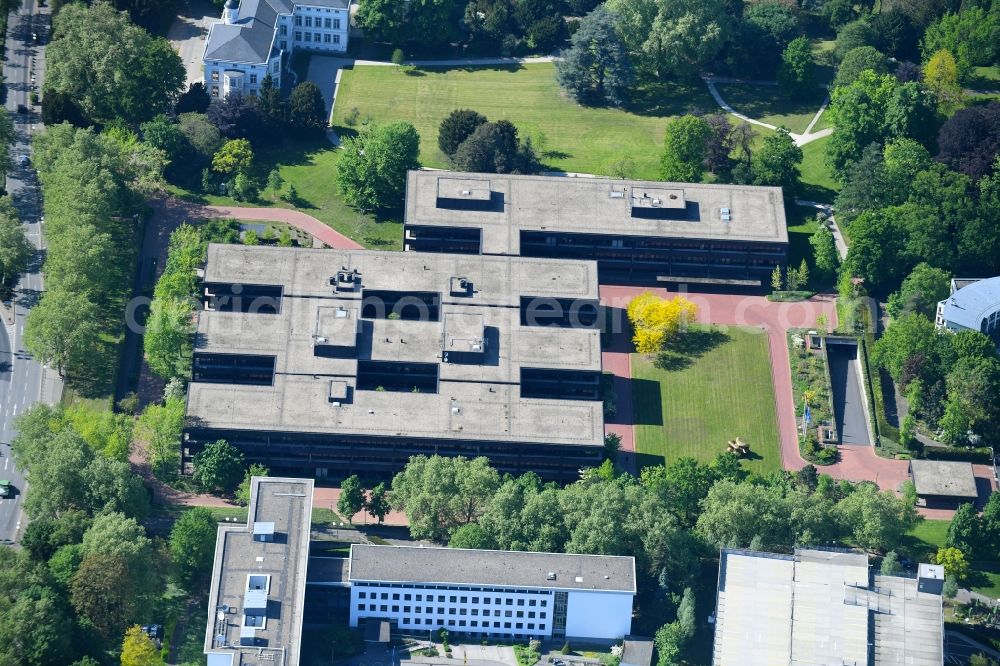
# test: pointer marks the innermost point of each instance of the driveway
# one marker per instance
(188, 34)
(857, 463)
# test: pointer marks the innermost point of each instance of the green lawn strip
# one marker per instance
(769, 104)
(717, 386)
(985, 78)
(568, 136)
(922, 542)
(309, 167)
(802, 225)
(817, 181)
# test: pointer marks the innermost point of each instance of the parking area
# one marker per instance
(188, 34)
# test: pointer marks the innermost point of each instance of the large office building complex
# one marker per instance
(637, 231)
(255, 604)
(825, 607)
(329, 363)
(493, 594)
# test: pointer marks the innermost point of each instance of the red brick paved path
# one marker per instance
(857, 462)
(296, 218)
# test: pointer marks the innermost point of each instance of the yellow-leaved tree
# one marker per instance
(138, 649)
(655, 320)
(941, 77)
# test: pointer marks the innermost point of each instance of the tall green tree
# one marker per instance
(456, 127)
(167, 342)
(110, 67)
(441, 494)
(307, 110)
(920, 291)
(377, 504)
(684, 149)
(858, 60)
(192, 543)
(777, 162)
(963, 530)
(63, 330)
(352, 497)
(15, 250)
(797, 71)
(595, 69)
(219, 466)
(876, 520)
(858, 111)
(826, 259)
(160, 427)
(371, 170)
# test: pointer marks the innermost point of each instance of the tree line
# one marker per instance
(671, 518)
(86, 509)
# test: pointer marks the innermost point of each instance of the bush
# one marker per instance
(979, 455)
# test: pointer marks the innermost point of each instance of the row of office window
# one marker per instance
(326, 23)
(453, 599)
(474, 612)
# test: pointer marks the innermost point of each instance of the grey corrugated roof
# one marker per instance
(972, 302)
(459, 566)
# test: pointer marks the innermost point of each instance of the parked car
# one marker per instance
(23, 160)
(21, 108)
(5, 488)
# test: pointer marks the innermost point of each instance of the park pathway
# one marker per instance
(800, 139)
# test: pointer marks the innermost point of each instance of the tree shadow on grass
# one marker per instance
(689, 347)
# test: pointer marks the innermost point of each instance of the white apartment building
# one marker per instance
(496, 594)
(256, 38)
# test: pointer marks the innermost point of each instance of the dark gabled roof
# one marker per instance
(248, 40)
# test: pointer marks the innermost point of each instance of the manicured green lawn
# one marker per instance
(568, 136)
(309, 166)
(713, 387)
(923, 541)
(825, 120)
(770, 105)
(817, 181)
(985, 78)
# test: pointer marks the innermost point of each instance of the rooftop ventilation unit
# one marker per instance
(617, 194)
(262, 531)
(726, 215)
(550, 576)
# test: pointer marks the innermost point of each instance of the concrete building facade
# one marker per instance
(328, 363)
(493, 594)
(637, 231)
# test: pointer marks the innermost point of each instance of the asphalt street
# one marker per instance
(20, 375)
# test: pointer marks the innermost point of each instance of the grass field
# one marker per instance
(817, 181)
(769, 105)
(309, 167)
(568, 136)
(714, 386)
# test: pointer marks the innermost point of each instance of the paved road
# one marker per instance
(188, 34)
(21, 378)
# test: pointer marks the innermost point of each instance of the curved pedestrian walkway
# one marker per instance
(800, 139)
(296, 218)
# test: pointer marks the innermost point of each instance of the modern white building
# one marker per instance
(490, 593)
(974, 304)
(256, 38)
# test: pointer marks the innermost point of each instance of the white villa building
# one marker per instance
(974, 304)
(256, 37)
(493, 594)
